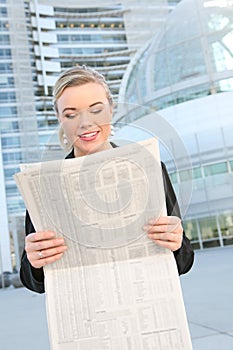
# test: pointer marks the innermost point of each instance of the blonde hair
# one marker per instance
(77, 76)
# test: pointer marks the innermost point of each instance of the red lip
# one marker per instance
(92, 136)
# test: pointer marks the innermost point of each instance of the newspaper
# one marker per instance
(114, 288)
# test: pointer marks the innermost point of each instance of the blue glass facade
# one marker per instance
(185, 74)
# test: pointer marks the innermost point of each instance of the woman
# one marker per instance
(84, 107)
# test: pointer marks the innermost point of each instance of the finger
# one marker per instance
(42, 245)
(162, 228)
(168, 245)
(165, 220)
(164, 225)
(171, 241)
(43, 254)
(39, 236)
(178, 229)
(45, 261)
(170, 237)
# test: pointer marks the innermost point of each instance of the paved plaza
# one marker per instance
(208, 296)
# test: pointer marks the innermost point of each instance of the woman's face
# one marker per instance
(85, 115)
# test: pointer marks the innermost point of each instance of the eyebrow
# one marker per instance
(75, 109)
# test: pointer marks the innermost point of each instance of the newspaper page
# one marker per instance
(113, 289)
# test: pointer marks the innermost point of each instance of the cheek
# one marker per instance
(69, 126)
(69, 131)
(107, 130)
(104, 119)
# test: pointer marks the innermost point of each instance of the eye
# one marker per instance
(70, 115)
(96, 110)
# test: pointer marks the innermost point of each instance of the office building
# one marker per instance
(186, 76)
(38, 40)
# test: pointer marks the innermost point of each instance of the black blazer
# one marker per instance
(33, 278)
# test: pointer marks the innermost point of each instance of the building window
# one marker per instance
(214, 169)
(12, 157)
(197, 174)
(4, 39)
(10, 172)
(209, 232)
(3, 11)
(8, 111)
(186, 175)
(174, 178)
(226, 226)
(5, 68)
(7, 96)
(10, 141)
(190, 228)
(231, 164)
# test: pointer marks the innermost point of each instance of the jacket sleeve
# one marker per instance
(184, 256)
(31, 278)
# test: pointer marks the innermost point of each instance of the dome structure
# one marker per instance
(192, 57)
(179, 87)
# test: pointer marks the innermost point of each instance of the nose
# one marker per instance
(85, 121)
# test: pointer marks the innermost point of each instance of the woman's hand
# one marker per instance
(165, 231)
(44, 248)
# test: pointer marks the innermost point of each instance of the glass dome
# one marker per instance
(192, 57)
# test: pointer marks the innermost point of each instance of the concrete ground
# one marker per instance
(208, 296)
